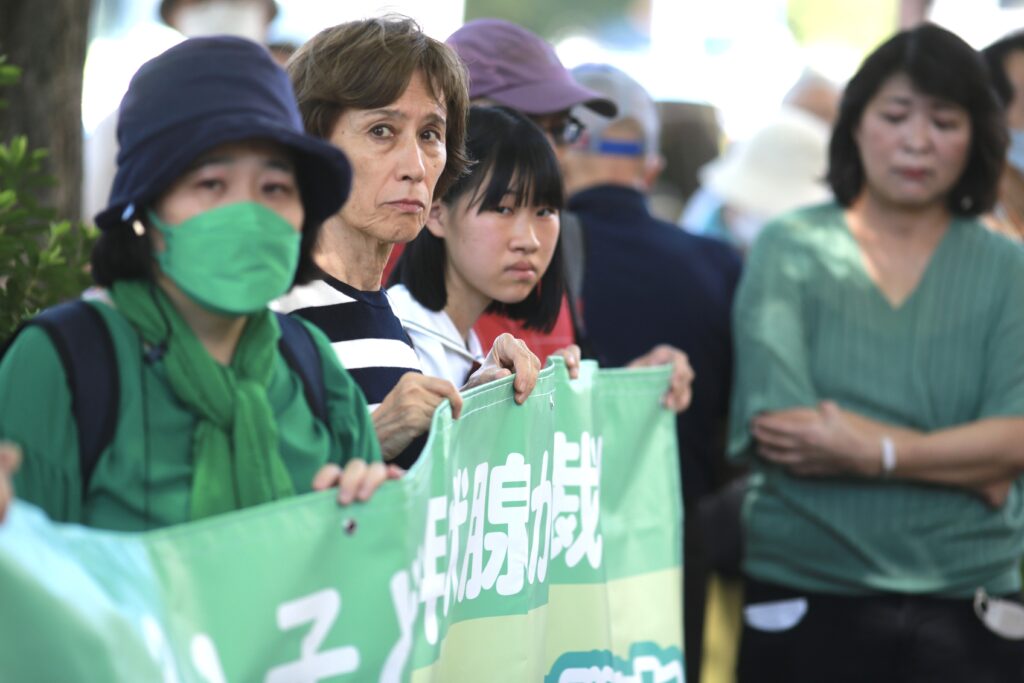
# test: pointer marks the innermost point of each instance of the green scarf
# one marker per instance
(235, 461)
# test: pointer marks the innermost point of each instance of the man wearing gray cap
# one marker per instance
(513, 67)
(669, 287)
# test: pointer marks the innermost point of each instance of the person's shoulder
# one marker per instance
(31, 345)
(410, 311)
(798, 243)
(707, 247)
(69, 321)
(119, 326)
(319, 337)
(432, 334)
(672, 236)
(707, 258)
(1005, 258)
(826, 216)
(992, 244)
(805, 226)
(315, 294)
(43, 342)
(420, 323)
(403, 304)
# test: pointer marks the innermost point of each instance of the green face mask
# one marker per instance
(234, 259)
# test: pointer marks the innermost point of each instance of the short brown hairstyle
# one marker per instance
(368, 64)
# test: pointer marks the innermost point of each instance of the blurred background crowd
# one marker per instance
(707, 102)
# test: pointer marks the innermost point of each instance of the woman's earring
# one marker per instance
(966, 203)
(138, 228)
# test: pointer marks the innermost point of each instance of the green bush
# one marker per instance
(43, 260)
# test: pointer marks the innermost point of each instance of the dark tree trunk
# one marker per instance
(47, 39)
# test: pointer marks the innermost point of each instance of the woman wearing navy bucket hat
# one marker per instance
(215, 208)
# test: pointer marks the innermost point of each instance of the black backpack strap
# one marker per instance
(301, 354)
(86, 349)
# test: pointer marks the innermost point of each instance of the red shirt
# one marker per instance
(489, 326)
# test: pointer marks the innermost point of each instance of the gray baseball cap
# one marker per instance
(632, 102)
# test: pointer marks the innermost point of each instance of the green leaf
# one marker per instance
(57, 230)
(9, 74)
(43, 260)
(17, 148)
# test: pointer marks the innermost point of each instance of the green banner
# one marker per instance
(540, 542)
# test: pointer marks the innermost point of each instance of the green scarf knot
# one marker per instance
(235, 459)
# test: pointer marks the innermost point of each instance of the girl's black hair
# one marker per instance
(512, 154)
(942, 65)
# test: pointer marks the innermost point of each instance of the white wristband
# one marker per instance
(888, 456)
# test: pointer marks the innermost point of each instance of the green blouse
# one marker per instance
(143, 478)
(809, 324)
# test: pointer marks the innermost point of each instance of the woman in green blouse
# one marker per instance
(879, 394)
(215, 208)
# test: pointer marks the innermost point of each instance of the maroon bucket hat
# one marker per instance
(514, 67)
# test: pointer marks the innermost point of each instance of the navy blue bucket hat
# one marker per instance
(206, 92)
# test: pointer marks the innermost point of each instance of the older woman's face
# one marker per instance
(913, 146)
(397, 154)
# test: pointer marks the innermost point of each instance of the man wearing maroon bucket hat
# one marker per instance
(513, 67)
(510, 66)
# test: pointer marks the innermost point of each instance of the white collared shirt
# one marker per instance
(437, 341)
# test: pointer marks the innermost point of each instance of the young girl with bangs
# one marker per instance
(490, 245)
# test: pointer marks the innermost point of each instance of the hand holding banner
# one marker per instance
(533, 542)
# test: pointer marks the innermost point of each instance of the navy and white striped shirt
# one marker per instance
(364, 332)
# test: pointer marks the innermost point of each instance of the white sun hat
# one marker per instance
(780, 167)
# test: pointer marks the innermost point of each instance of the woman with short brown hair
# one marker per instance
(395, 101)
(330, 75)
